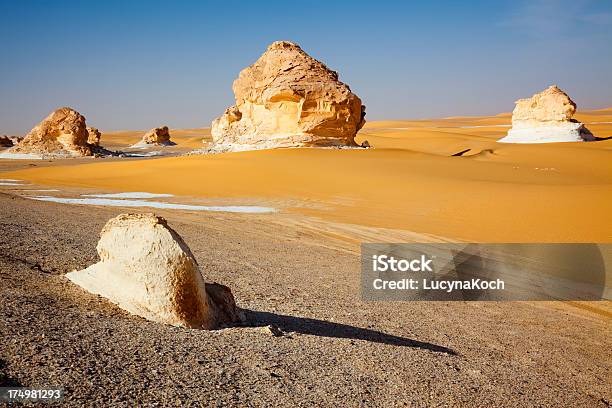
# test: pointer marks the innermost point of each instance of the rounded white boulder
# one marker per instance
(147, 269)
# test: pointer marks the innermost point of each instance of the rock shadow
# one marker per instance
(324, 328)
(6, 380)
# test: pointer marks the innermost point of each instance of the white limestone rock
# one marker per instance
(546, 117)
(147, 269)
(288, 99)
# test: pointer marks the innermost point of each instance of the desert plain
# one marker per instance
(296, 269)
(448, 178)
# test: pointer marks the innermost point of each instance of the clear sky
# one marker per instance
(141, 64)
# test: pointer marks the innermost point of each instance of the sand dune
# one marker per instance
(410, 181)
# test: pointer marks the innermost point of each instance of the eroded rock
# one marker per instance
(93, 136)
(16, 139)
(147, 269)
(546, 117)
(158, 137)
(62, 133)
(5, 141)
(288, 99)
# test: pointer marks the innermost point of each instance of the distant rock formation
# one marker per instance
(62, 133)
(156, 137)
(288, 99)
(16, 139)
(544, 118)
(93, 136)
(5, 141)
(147, 269)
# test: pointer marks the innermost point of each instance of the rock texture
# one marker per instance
(93, 136)
(61, 133)
(546, 117)
(5, 141)
(159, 137)
(147, 269)
(288, 99)
(16, 139)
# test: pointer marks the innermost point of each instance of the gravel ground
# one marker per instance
(335, 350)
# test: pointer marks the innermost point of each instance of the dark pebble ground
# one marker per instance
(334, 351)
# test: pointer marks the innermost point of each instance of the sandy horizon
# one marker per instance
(445, 177)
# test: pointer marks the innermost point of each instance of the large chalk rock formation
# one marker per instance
(147, 269)
(288, 99)
(62, 133)
(546, 117)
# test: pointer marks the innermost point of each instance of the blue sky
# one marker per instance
(140, 64)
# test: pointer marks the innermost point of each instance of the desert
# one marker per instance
(187, 212)
(416, 185)
(551, 180)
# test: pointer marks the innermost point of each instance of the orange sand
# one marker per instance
(410, 181)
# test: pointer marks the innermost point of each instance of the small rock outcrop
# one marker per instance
(156, 137)
(62, 133)
(147, 269)
(16, 139)
(546, 117)
(288, 99)
(5, 141)
(93, 136)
